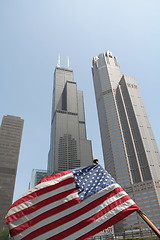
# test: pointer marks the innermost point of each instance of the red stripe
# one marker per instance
(42, 216)
(73, 215)
(54, 176)
(45, 189)
(124, 213)
(39, 205)
(89, 220)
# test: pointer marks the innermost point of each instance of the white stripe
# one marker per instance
(67, 211)
(47, 183)
(35, 200)
(46, 220)
(100, 220)
(52, 205)
(81, 217)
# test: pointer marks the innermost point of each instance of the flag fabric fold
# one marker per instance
(71, 205)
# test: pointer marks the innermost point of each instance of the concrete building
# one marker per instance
(69, 147)
(36, 176)
(130, 151)
(10, 140)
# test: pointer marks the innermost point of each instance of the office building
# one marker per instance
(129, 148)
(10, 140)
(36, 176)
(69, 147)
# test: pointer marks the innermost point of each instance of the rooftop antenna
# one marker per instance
(68, 63)
(58, 62)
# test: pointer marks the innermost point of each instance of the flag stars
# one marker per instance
(91, 180)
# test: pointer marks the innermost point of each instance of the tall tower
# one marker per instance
(10, 140)
(130, 151)
(69, 147)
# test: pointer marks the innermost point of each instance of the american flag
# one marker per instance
(71, 205)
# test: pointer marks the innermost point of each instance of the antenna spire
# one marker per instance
(68, 63)
(59, 60)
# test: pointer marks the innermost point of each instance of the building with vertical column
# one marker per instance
(69, 147)
(10, 140)
(36, 176)
(129, 147)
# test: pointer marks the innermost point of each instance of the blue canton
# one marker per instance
(90, 180)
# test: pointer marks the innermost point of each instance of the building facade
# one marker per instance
(36, 176)
(69, 147)
(129, 148)
(10, 140)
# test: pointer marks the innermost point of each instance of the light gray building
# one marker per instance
(69, 147)
(130, 151)
(10, 140)
(36, 176)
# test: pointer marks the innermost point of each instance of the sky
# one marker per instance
(35, 32)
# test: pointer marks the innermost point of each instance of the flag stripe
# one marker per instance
(89, 220)
(73, 209)
(42, 216)
(74, 216)
(55, 205)
(77, 224)
(45, 187)
(68, 183)
(55, 176)
(113, 220)
(58, 209)
(21, 207)
(39, 205)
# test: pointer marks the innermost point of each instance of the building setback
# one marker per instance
(69, 147)
(10, 140)
(130, 151)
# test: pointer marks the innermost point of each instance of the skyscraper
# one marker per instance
(10, 140)
(36, 176)
(69, 147)
(130, 151)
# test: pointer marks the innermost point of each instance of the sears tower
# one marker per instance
(69, 147)
(130, 151)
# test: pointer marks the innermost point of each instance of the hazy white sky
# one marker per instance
(34, 32)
